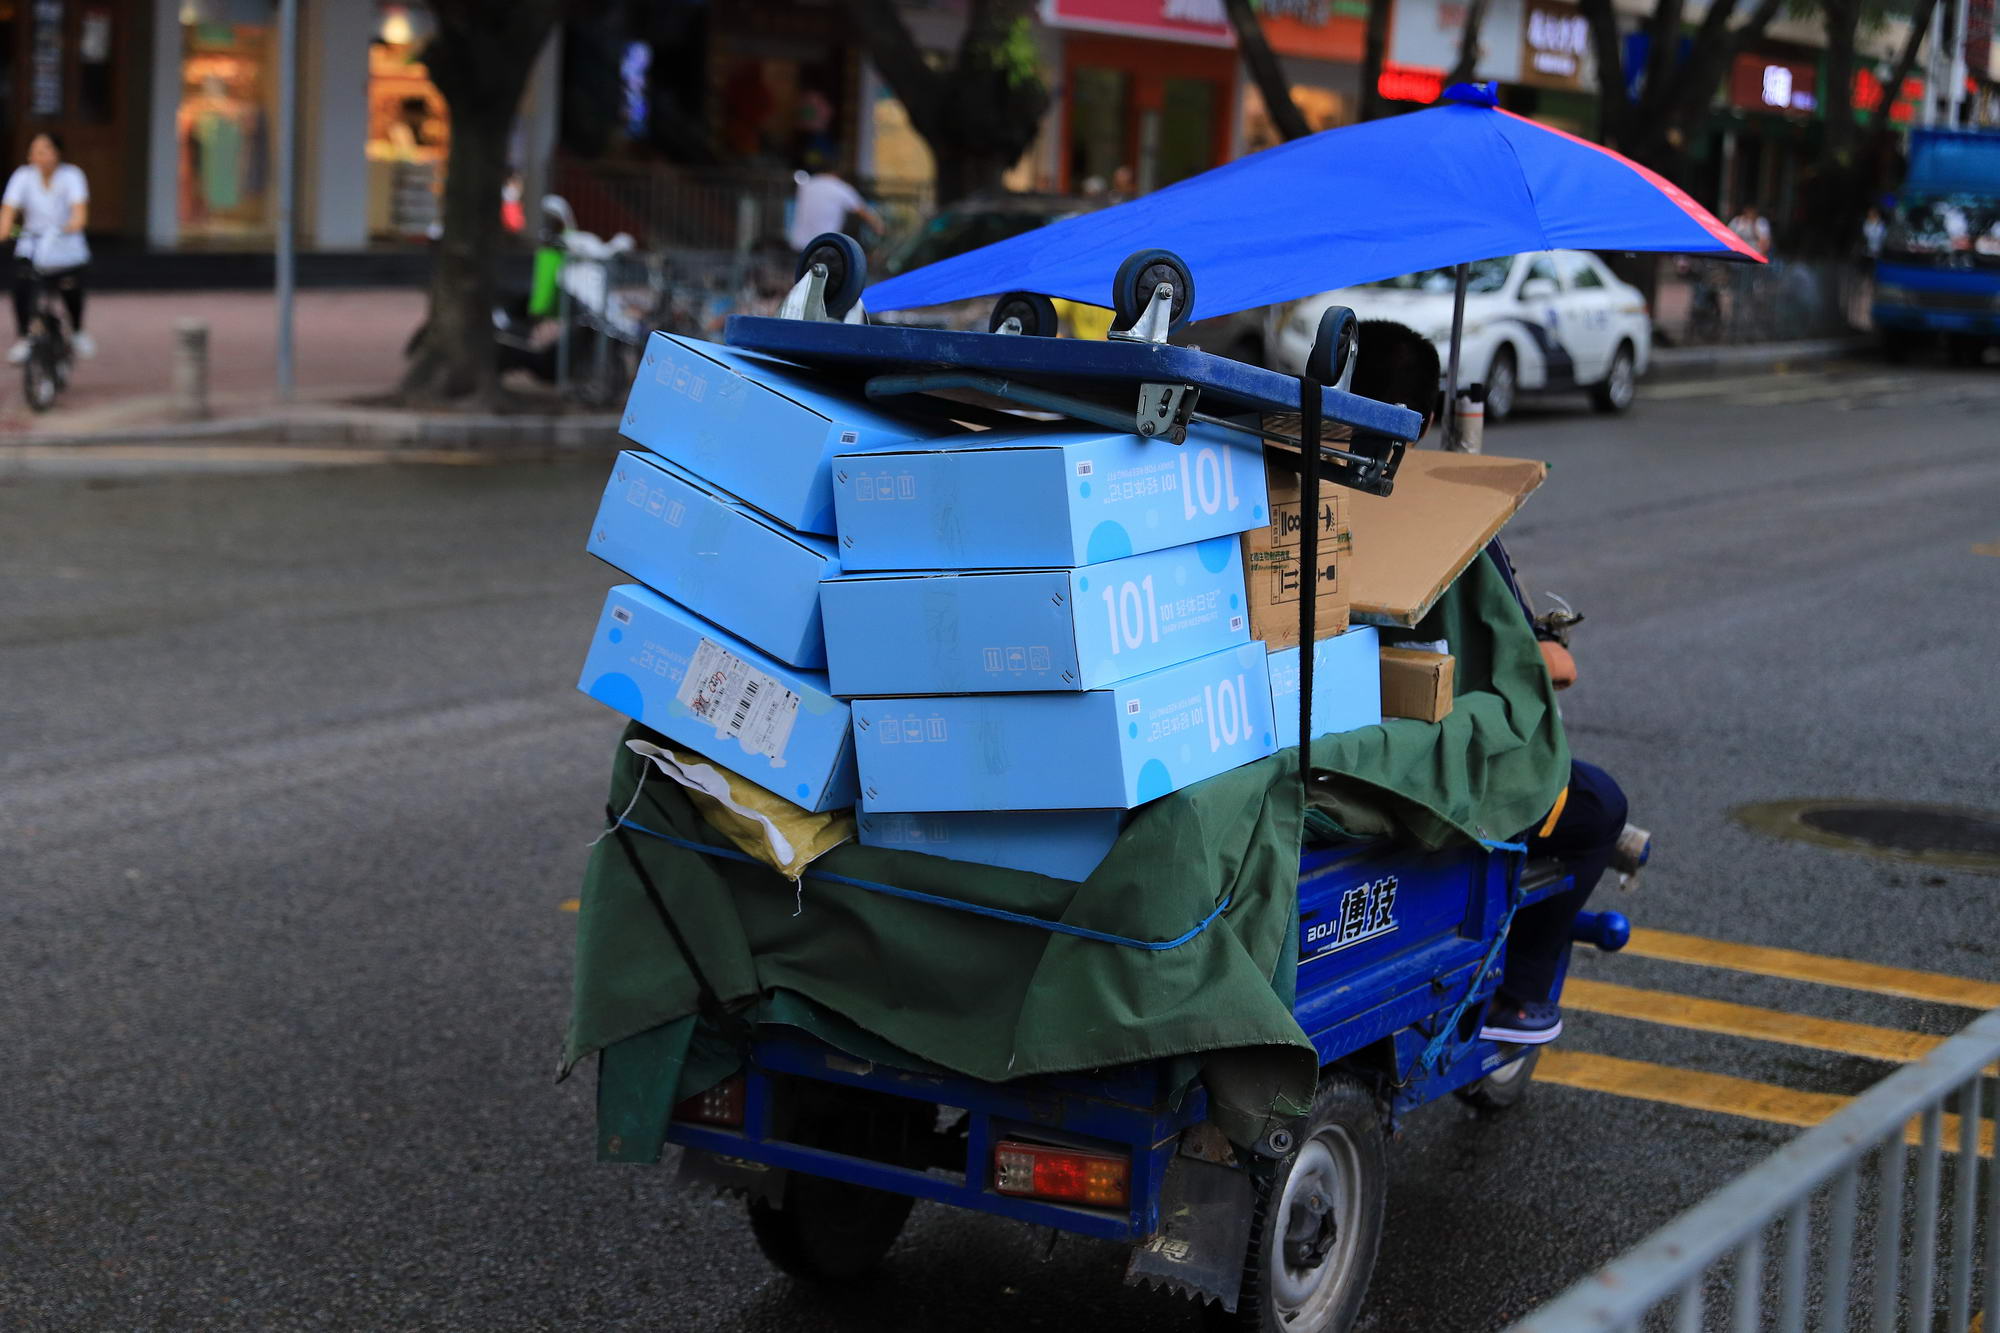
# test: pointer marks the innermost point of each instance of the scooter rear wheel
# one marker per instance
(1318, 1222)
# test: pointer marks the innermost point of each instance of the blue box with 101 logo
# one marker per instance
(720, 559)
(763, 430)
(1062, 844)
(995, 631)
(1037, 499)
(1094, 750)
(662, 665)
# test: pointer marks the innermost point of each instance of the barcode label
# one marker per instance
(739, 701)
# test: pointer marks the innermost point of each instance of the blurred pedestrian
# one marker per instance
(1752, 226)
(822, 204)
(1873, 229)
(50, 199)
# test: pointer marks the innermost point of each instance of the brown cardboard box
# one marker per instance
(1416, 684)
(1408, 546)
(1271, 571)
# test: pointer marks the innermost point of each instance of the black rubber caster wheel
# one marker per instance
(1333, 345)
(1036, 312)
(1132, 289)
(846, 269)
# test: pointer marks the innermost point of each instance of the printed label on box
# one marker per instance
(740, 701)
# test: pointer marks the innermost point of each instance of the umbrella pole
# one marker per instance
(1460, 274)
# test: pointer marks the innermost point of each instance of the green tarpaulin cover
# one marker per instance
(913, 983)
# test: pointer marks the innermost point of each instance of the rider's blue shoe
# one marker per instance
(1522, 1024)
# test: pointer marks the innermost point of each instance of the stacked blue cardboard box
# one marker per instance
(994, 644)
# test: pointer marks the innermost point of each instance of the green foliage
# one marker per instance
(1017, 57)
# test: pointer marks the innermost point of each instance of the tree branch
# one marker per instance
(1906, 60)
(1374, 50)
(900, 61)
(1468, 44)
(1266, 72)
(1613, 106)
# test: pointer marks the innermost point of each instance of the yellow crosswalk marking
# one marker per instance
(1791, 965)
(1743, 1020)
(1721, 1094)
(1987, 548)
(569, 905)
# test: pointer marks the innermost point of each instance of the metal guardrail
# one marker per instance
(1811, 1189)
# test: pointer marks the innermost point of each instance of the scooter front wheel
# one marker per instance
(1504, 1087)
(41, 380)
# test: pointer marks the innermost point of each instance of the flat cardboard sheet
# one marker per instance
(1411, 544)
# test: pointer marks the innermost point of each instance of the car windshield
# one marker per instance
(1488, 275)
(954, 231)
(1955, 227)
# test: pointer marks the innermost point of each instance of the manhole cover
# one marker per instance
(1946, 836)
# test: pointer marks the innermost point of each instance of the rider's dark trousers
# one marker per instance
(1583, 839)
(68, 283)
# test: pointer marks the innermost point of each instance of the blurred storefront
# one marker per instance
(171, 109)
(1148, 91)
(1318, 44)
(1538, 51)
(76, 67)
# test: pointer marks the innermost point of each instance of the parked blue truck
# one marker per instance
(1938, 275)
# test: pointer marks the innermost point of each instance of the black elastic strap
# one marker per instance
(1309, 404)
(707, 1001)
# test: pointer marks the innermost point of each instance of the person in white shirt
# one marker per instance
(822, 204)
(51, 201)
(1754, 227)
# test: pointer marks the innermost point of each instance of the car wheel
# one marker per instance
(1620, 384)
(1503, 384)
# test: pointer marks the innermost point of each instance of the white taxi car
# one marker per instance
(1552, 320)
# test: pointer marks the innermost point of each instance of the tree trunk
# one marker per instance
(1613, 106)
(479, 62)
(455, 358)
(1883, 131)
(977, 116)
(1374, 51)
(1468, 45)
(1843, 24)
(1266, 72)
(964, 173)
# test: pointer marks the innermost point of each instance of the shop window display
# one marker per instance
(228, 91)
(409, 130)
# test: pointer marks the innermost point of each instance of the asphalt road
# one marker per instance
(293, 783)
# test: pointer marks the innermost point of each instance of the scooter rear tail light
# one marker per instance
(1033, 1170)
(720, 1105)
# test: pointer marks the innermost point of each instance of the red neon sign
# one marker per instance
(1410, 83)
(1868, 92)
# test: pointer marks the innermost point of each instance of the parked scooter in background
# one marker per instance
(574, 326)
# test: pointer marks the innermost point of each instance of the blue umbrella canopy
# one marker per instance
(1455, 183)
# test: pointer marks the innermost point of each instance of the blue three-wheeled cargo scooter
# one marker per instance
(1399, 951)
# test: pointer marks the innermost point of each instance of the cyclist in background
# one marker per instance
(50, 199)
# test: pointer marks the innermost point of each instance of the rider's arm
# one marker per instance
(8, 213)
(79, 213)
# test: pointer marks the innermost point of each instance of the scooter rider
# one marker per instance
(1395, 364)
